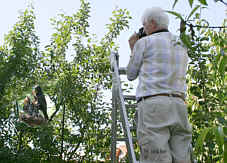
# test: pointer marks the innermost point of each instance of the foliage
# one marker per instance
(207, 84)
(79, 126)
(19, 59)
(207, 89)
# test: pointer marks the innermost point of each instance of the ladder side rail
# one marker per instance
(114, 123)
(115, 107)
(114, 111)
(127, 131)
(124, 116)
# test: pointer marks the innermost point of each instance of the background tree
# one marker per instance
(79, 127)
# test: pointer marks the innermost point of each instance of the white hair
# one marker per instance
(158, 15)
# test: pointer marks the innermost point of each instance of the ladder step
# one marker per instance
(131, 105)
(133, 128)
(122, 70)
(129, 97)
(134, 139)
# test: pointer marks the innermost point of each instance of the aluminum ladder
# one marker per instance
(119, 105)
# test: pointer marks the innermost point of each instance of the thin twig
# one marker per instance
(200, 26)
(57, 109)
(62, 131)
(222, 2)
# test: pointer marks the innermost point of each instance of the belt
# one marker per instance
(161, 94)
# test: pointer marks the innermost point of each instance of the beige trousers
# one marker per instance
(163, 131)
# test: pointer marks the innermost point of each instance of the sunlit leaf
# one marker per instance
(175, 2)
(190, 2)
(204, 2)
(193, 11)
(178, 15)
(223, 64)
(201, 138)
(219, 135)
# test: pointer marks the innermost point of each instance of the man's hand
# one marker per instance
(132, 40)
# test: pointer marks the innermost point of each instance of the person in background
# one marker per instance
(159, 60)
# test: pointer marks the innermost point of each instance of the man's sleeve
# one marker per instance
(136, 60)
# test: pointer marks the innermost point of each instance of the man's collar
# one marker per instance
(161, 30)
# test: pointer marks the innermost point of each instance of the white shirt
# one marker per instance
(160, 61)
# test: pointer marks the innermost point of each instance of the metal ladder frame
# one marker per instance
(119, 103)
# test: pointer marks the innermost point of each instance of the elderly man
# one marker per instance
(159, 60)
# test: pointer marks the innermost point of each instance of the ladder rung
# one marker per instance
(134, 139)
(129, 97)
(133, 128)
(131, 105)
(122, 70)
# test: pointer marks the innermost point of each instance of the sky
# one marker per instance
(101, 11)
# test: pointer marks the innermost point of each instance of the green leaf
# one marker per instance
(225, 151)
(186, 40)
(204, 2)
(190, 2)
(201, 138)
(176, 14)
(219, 135)
(174, 4)
(193, 11)
(225, 130)
(222, 65)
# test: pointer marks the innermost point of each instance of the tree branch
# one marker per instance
(57, 109)
(74, 151)
(200, 26)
